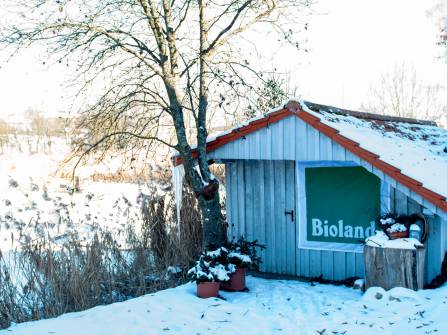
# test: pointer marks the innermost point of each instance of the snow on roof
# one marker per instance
(418, 148)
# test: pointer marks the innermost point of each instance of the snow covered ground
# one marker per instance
(271, 307)
(34, 202)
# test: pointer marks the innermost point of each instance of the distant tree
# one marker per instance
(163, 62)
(5, 128)
(45, 127)
(5, 131)
(443, 33)
(402, 93)
(439, 12)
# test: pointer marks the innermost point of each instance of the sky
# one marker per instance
(351, 44)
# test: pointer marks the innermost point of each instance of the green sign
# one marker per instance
(342, 204)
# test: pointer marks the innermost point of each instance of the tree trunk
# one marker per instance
(214, 230)
(388, 267)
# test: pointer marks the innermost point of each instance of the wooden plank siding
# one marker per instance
(262, 167)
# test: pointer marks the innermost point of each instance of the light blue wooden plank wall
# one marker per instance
(268, 189)
(258, 182)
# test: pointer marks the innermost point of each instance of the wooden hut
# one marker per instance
(307, 180)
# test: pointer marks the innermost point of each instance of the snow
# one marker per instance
(359, 284)
(220, 273)
(34, 202)
(29, 214)
(270, 307)
(397, 227)
(382, 241)
(387, 221)
(197, 169)
(416, 149)
(216, 253)
(243, 258)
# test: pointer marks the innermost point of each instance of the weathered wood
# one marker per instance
(388, 268)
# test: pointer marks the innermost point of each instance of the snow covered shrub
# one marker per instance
(244, 254)
(218, 265)
(242, 261)
(212, 266)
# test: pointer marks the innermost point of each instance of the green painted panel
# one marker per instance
(342, 203)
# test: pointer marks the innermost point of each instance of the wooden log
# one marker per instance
(389, 267)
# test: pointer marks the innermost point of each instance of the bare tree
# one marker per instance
(161, 64)
(439, 14)
(402, 93)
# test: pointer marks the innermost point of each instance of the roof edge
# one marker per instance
(315, 107)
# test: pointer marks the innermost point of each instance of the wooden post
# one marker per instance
(388, 267)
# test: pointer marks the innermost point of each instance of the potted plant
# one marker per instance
(242, 255)
(209, 273)
(397, 230)
(398, 226)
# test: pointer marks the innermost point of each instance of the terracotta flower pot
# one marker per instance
(237, 282)
(397, 234)
(207, 289)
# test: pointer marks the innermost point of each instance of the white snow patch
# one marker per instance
(242, 257)
(397, 227)
(270, 307)
(382, 241)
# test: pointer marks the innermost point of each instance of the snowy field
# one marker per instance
(271, 307)
(35, 202)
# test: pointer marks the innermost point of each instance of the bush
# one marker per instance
(212, 266)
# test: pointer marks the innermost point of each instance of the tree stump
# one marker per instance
(389, 267)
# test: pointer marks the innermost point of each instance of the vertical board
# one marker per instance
(400, 202)
(229, 201)
(262, 226)
(279, 222)
(249, 199)
(290, 224)
(434, 253)
(270, 213)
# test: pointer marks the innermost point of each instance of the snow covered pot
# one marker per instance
(241, 262)
(209, 273)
